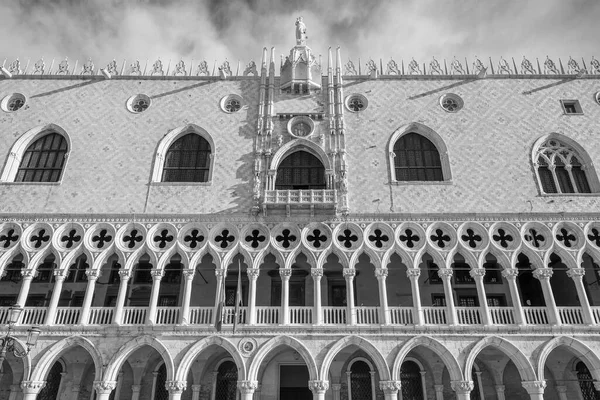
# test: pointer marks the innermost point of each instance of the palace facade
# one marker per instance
(390, 231)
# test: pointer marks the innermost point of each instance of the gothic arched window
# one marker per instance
(50, 391)
(160, 391)
(586, 382)
(560, 168)
(412, 384)
(300, 170)
(416, 159)
(44, 159)
(227, 376)
(360, 381)
(187, 160)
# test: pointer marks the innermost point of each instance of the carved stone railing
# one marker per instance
(536, 315)
(299, 197)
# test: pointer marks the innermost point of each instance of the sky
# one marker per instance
(237, 30)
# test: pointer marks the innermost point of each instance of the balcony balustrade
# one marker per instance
(272, 315)
(299, 197)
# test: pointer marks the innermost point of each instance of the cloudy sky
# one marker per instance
(215, 30)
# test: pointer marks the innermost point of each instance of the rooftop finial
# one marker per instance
(300, 32)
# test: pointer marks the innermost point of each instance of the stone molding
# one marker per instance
(318, 386)
(534, 387)
(32, 387)
(462, 387)
(247, 387)
(176, 386)
(390, 387)
(105, 387)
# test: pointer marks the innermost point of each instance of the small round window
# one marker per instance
(138, 103)
(301, 126)
(451, 102)
(231, 104)
(13, 102)
(356, 102)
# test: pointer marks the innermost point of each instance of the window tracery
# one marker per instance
(560, 169)
(44, 159)
(416, 159)
(300, 170)
(187, 160)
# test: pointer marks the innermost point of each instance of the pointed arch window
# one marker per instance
(560, 168)
(361, 381)
(226, 385)
(44, 159)
(416, 159)
(300, 170)
(187, 160)
(160, 390)
(411, 381)
(586, 382)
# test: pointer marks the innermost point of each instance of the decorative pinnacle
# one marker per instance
(338, 59)
(273, 56)
(264, 58)
(330, 64)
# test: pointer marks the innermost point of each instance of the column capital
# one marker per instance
(124, 274)
(136, 388)
(381, 272)
(28, 273)
(196, 388)
(92, 274)
(510, 273)
(445, 273)
(189, 273)
(561, 389)
(32, 387)
(413, 273)
(59, 274)
(253, 273)
(220, 273)
(285, 273)
(349, 272)
(534, 387)
(247, 387)
(316, 272)
(176, 386)
(338, 386)
(576, 273)
(105, 387)
(500, 388)
(390, 387)
(462, 387)
(318, 386)
(542, 273)
(477, 272)
(157, 274)
(438, 388)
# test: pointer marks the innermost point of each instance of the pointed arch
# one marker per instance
(172, 251)
(342, 257)
(437, 347)
(522, 363)
(579, 348)
(229, 256)
(198, 347)
(404, 257)
(372, 254)
(260, 258)
(299, 145)
(54, 352)
(464, 253)
(427, 133)
(501, 258)
(564, 255)
(437, 257)
(13, 162)
(291, 258)
(137, 255)
(115, 364)
(366, 346)
(288, 341)
(167, 141)
(534, 258)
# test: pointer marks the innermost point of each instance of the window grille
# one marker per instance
(417, 159)
(300, 170)
(560, 170)
(187, 160)
(360, 381)
(410, 378)
(50, 391)
(586, 382)
(44, 159)
(160, 390)
(226, 388)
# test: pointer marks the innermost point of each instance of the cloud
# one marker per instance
(215, 30)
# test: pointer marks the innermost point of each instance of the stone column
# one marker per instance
(285, 274)
(196, 392)
(510, 274)
(535, 389)
(247, 389)
(118, 316)
(544, 275)
(500, 392)
(477, 274)
(252, 278)
(577, 275)
(28, 275)
(14, 392)
(384, 312)
(317, 274)
(446, 275)
(188, 276)
(135, 390)
(157, 275)
(390, 389)
(349, 274)
(462, 389)
(318, 388)
(220, 274)
(32, 388)
(336, 388)
(439, 392)
(104, 388)
(92, 275)
(175, 389)
(562, 392)
(59, 279)
(413, 274)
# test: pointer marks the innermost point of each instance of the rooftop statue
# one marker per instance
(300, 32)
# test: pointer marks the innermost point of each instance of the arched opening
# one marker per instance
(432, 293)
(284, 374)
(563, 287)
(586, 382)
(187, 160)
(226, 381)
(530, 287)
(416, 159)
(366, 291)
(336, 291)
(44, 159)
(141, 285)
(300, 170)
(204, 291)
(360, 379)
(496, 287)
(399, 291)
(74, 286)
(107, 287)
(40, 290)
(171, 283)
(591, 279)
(53, 383)
(160, 390)
(411, 379)
(10, 283)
